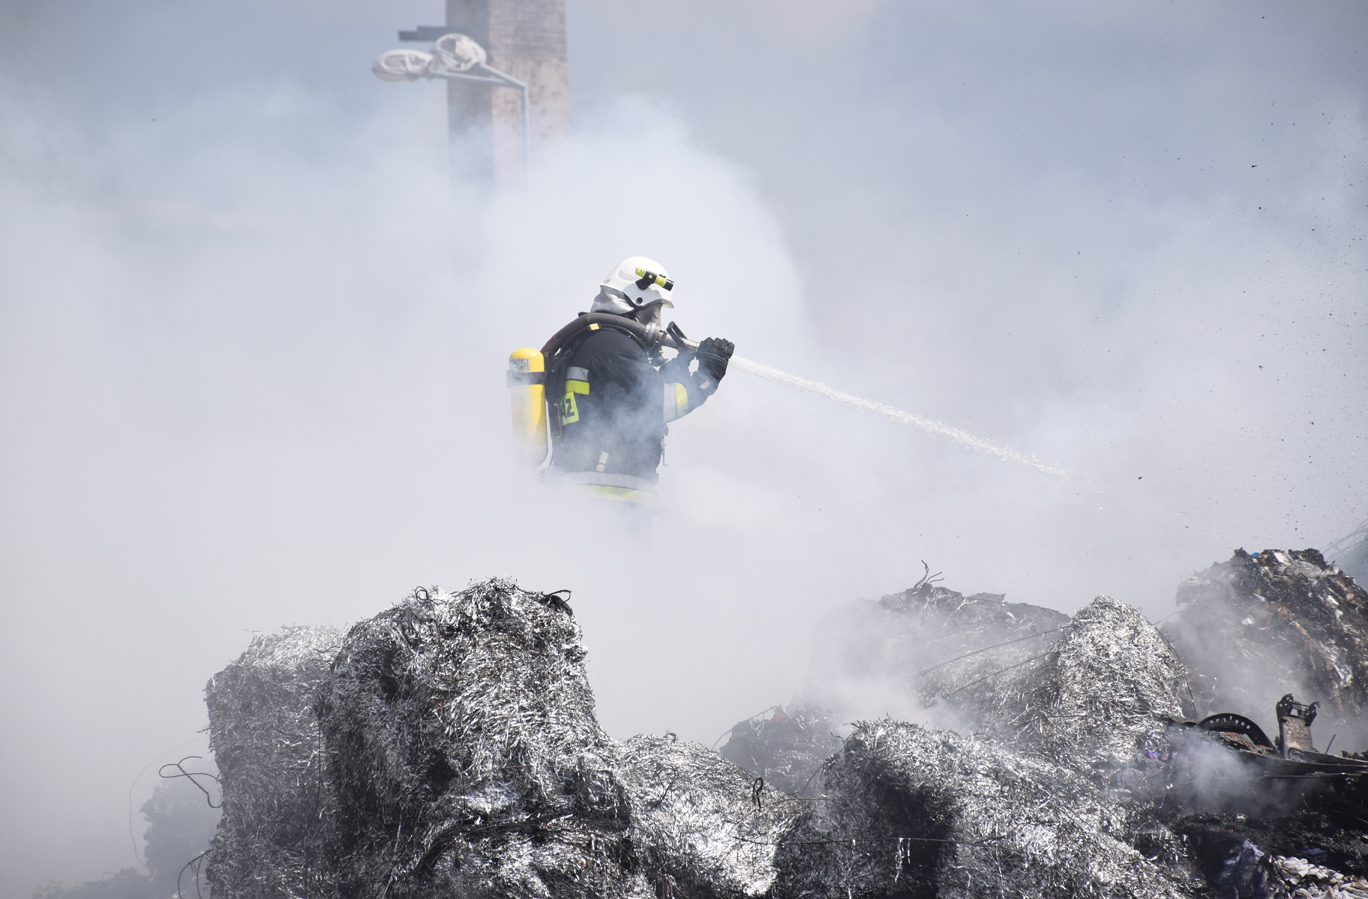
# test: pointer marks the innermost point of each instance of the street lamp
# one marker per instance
(454, 57)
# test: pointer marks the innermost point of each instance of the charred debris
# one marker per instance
(449, 747)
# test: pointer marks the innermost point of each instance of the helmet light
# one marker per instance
(645, 279)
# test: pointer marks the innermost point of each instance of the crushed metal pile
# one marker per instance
(1069, 716)
(940, 649)
(932, 813)
(263, 729)
(463, 758)
(1280, 621)
(449, 746)
(465, 754)
(1050, 796)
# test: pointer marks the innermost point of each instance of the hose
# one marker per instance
(646, 335)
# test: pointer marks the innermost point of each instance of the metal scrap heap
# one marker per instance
(278, 815)
(1280, 621)
(1042, 800)
(449, 747)
(463, 758)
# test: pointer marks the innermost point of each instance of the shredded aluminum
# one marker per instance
(278, 808)
(449, 747)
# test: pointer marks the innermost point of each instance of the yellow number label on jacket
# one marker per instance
(569, 410)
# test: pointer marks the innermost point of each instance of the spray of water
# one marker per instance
(964, 438)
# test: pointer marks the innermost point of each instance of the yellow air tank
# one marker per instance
(527, 390)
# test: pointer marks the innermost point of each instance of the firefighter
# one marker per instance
(616, 394)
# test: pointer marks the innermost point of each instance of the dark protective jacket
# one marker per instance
(616, 403)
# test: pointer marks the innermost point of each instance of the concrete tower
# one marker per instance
(526, 39)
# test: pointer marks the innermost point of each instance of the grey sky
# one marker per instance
(243, 384)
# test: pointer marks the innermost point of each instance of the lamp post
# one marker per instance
(454, 57)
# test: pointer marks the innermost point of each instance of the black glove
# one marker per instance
(713, 354)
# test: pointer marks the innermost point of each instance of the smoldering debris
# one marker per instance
(1073, 716)
(933, 813)
(948, 649)
(1280, 621)
(1296, 861)
(1226, 762)
(1053, 792)
(1103, 682)
(928, 654)
(449, 746)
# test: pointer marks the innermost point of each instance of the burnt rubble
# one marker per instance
(938, 649)
(449, 746)
(1280, 621)
(1021, 675)
(1050, 795)
(932, 813)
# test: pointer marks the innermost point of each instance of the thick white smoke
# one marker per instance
(247, 381)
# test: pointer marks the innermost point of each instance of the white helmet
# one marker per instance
(634, 283)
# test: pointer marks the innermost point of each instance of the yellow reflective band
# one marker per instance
(619, 494)
(569, 410)
(593, 327)
(681, 401)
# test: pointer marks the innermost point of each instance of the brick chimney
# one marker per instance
(526, 39)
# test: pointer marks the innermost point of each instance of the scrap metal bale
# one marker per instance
(704, 826)
(466, 755)
(277, 805)
(922, 813)
(1095, 689)
(1106, 689)
(463, 757)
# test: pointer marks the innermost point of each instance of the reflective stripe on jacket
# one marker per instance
(615, 408)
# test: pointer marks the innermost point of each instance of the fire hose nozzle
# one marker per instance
(674, 337)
